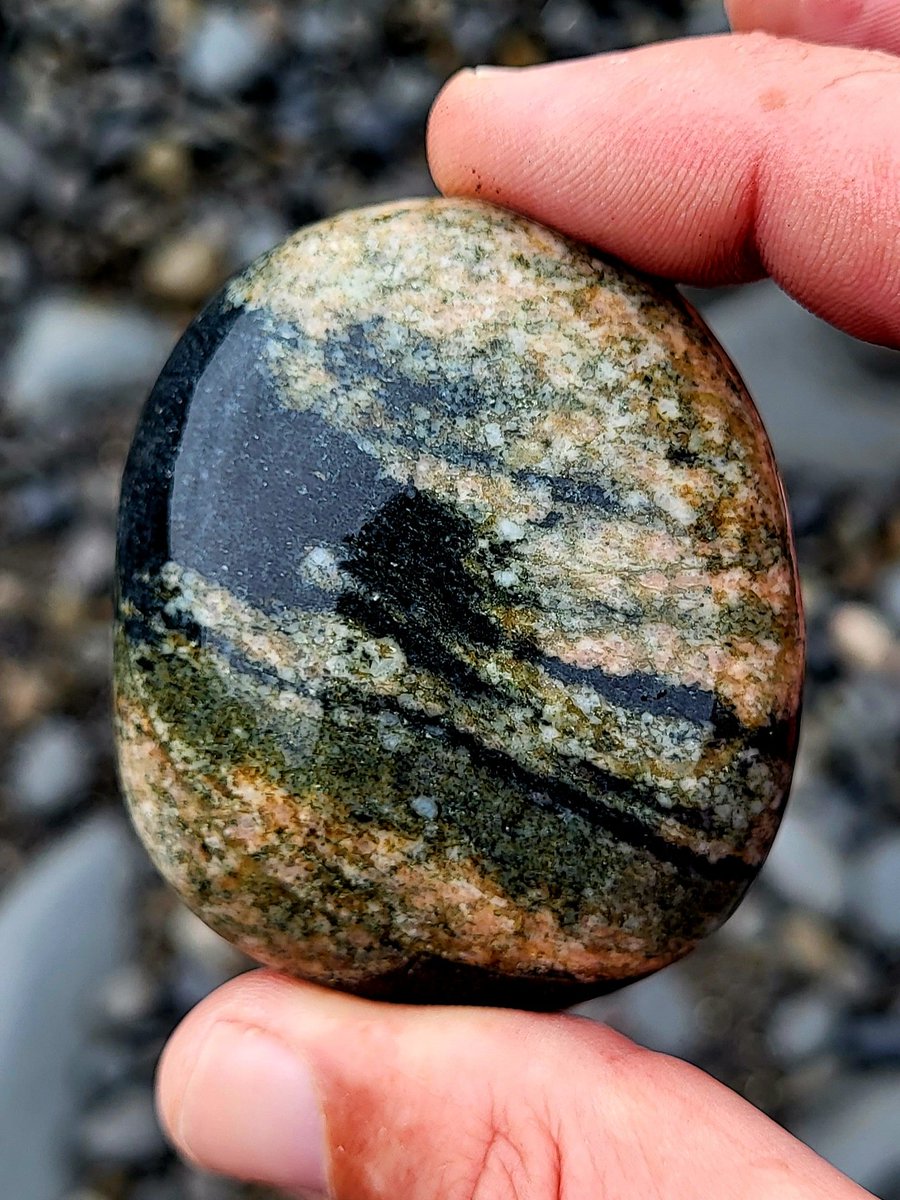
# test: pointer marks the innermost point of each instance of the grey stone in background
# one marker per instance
(259, 231)
(15, 270)
(856, 1128)
(158, 1189)
(64, 924)
(888, 591)
(861, 722)
(122, 1131)
(479, 28)
(18, 169)
(72, 350)
(571, 25)
(707, 17)
(324, 32)
(659, 1012)
(803, 1024)
(226, 50)
(201, 959)
(86, 561)
(127, 997)
(179, 1184)
(50, 768)
(873, 1040)
(825, 411)
(193, 938)
(40, 506)
(805, 868)
(818, 800)
(875, 889)
(206, 1187)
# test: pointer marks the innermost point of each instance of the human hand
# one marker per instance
(709, 161)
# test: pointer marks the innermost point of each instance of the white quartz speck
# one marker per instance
(493, 434)
(510, 531)
(424, 806)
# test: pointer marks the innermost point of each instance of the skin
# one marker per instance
(712, 162)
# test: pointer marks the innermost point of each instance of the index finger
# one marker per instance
(874, 24)
(709, 160)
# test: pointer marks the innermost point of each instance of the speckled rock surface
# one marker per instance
(459, 648)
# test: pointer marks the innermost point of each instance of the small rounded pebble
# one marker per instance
(459, 646)
(889, 593)
(226, 51)
(661, 1013)
(875, 894)
(164, 165)
(805, 868)
(127, 996)
(70, 351)
(854, 1126)
(192, 937)
(803, 1024)
(50, 768)
(86, 562)
(862, 637)
(185, 268)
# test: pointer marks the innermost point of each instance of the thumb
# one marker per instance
(310, 1091)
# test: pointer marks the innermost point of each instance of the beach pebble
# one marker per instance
(875, 888)
(226, 51)
(460, 555)
(50, 768)
(805, 868)
(72, 350)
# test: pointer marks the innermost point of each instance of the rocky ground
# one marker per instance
(147, 150)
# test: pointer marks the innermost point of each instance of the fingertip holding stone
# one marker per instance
(251, 1109)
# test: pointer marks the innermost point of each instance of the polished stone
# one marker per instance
(459, 649)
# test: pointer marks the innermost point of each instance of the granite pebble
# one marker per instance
(459, 646)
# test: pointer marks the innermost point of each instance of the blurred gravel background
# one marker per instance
(149, 148)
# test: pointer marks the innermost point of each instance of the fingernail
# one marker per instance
(480, 72)
(251, 1109)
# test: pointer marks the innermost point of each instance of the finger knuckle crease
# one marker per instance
(521, 1159)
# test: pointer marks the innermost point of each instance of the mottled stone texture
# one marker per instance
(459, 651)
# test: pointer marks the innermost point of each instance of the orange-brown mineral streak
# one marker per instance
(461, 913)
